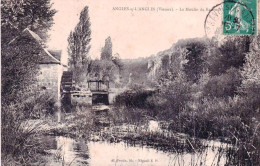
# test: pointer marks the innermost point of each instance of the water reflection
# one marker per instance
(103, 153)
(67, 151)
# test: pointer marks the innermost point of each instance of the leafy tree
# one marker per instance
(105, 70)
(19, 68)
(250, 87)
(229, 54)
(106, 52)
(19, 58)
(196, 51)
(223, 85)
(118, 62)
(176, 93)
(79, 44)
(194, 66)
(16, 15)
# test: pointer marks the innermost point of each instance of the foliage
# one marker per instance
(196, 49)
(39, 105)
(104, 70)
(19, 68)
(251, 69)
(19, 63)
(136, 97)
(106, 52)
(80, 122)
(224, 85)
(118, 62)
(121, 115)
(79, 45)
(208, 89)
(175, 68)
(20, 142)
(231, 120)
(177, 93)
(17, 15)
(231, 53)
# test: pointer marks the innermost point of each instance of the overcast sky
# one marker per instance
(134, 33)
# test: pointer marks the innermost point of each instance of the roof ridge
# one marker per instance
(39, 40)
(34, 35)
(48, 53)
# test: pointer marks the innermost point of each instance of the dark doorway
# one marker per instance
(100, 99)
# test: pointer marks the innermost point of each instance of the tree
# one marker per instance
(19, 69)
(117, 61)
(223, 85)
(19, 66)
(79, 43)
(251, 78)
(18, 59)
(196, 49)
(106, 52)
(16, 15)
(229, 54)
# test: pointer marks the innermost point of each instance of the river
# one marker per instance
(68, 151)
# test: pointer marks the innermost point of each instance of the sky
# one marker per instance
(134, 33)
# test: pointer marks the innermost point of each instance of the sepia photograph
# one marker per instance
(130, 82)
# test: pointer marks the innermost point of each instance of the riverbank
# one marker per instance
(85, 124)
(80, 125)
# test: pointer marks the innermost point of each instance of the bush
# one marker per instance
(177, 94)
(41, 105)
(20, 145)
(233, 120)
(120, 115)
(20, 142)
(217, 118)
(223, 85)
(134, 98)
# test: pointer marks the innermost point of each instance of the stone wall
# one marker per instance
(49, 78)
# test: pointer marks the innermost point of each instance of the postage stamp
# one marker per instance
(239, 17)
(232, 17)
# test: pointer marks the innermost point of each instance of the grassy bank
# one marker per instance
(230, 120)
(20, 143)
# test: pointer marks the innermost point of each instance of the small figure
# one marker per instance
(237, 10)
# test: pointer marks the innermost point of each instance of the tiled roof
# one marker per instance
(56, 54)
(45, 57)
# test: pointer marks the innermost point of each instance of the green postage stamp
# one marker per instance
(240, 17)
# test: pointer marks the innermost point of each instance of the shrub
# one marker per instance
(223, 85)
(40, 105)
(20, 142)
(217, 118)
(120, 115)
(19, 145)
(134, 98)
(177, 94)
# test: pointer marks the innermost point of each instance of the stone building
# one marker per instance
(50, 66)
(50, 73)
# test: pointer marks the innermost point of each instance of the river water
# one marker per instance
(68, 151)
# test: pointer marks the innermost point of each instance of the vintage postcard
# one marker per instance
(130, 82)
